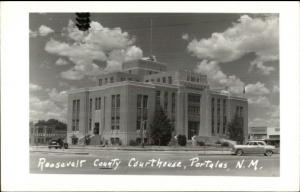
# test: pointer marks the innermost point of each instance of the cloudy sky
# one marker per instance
(233, 50)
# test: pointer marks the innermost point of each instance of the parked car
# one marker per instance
(254, 147)
(58, 144)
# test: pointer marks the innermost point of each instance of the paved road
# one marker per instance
(151, 163)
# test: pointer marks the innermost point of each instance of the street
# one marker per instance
(76, 161)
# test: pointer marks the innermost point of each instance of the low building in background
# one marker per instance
(42, 134)
(269, 134)
(121, 107)
(258, 133)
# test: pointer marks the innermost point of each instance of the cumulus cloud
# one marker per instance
(61, 61)
(110, 45)
(34, 87)
(42, 31)
(248, 35)
(217, 78)
(185, 36)
(45, 30)
(261, 101)
(46, 109)
(54, 106)
(256, 89)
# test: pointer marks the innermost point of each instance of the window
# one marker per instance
(173, 102)
(129, 71)
(212, 115)
(157, 100)
(115, 112)
(111, 79)
(98, 103)
(218, 115)
(152, 80)
(142, 112)
(75, 115)
(224, 116)
(105, 80)
(166, 102)
(100, 82)
(158, 80)
(122, 78)
(96, 129)
(146, 80)
(170, 80)
(164, 79)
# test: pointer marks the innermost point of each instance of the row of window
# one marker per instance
(192, 78)
(166, 100)
(106, 80)
(161, 80)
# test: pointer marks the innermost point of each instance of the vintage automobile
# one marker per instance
(57, 144)
(253, 147)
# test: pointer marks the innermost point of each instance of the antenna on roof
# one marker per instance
(151, 36)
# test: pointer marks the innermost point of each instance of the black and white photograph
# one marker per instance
(154, 93)
(116, 96)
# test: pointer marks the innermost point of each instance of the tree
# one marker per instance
(53, 122)
(235, 129)
(161, 128)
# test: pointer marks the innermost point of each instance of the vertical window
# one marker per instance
(218, 115)
(75, 115)
(98, 103)
(91, 104)
(142, 112)
(105, 80)
(100, 82)
(111, 79)
(115, 112)
(164, 79)
(170, 80)
(212, 116)
(166, 101)
(224, 116)
(157, 100)
(158, 80)
(173, 102)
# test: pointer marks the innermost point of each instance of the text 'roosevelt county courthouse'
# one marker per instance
(123, 103)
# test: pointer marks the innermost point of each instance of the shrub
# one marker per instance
(132, 142)
(200, 143)
(225, 144)
(181, 140)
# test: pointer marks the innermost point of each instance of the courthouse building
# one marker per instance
(120, 108)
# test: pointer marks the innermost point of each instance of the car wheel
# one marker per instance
(55, 147)
(268, 153)
(239, 152)
(49, 147)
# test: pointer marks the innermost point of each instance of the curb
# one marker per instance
(62, 152)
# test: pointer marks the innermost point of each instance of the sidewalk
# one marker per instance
(82, 148)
